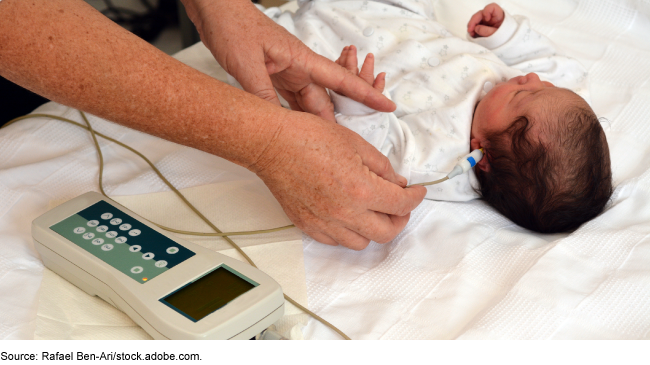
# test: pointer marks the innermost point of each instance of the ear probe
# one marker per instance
(465, 164)
(470, 160)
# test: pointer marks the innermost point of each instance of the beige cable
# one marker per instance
(206, 220)
(430, 182)
(153, 167)
(180, 195)
(218, 233)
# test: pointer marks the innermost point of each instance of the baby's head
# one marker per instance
(546, 164)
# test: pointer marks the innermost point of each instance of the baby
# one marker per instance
(546, 164)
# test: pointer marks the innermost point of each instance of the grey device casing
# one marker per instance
(242, 318)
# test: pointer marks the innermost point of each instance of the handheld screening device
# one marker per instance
(172, 288)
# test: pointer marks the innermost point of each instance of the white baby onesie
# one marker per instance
(435, 78)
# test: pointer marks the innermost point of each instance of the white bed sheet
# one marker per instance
(459, 270)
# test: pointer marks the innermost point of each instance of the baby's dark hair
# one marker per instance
(551, 186)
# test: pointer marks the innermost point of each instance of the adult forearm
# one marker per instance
(70, 53)
(330, 182)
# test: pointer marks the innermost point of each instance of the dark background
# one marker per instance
(145, 18)
(162, 23)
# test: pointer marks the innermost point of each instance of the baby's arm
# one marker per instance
(384, 131)
(394, 138)
(513, 40)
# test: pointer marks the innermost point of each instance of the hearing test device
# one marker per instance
(172, 288)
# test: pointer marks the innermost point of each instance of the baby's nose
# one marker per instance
(532, 77)
(534, 80)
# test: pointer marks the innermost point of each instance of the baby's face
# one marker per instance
(525, 96)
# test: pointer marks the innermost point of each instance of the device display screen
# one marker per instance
(209, 293)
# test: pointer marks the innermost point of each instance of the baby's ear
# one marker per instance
(484, 164)
(475, 144)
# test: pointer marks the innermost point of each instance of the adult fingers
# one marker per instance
(337, 235)
(378, 163)
(348, 238)
(290, 97)
(399, 221)
(330, 75)
(315, 100)
(379, 227)
(255, 80)
(392, 199)
(322, 238)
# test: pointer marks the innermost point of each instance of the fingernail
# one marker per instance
(402, 180)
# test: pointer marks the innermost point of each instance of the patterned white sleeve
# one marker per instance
(402, 142)
(521, 47)
(391, 136)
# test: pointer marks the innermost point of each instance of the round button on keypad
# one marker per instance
(172, 250)
(107, 216)
(125, 227)
(79, 230)
(161, 263)
(98, 241)
(111, 234)
(107, 247)
(135, 248)
(93, 223)
(102, 229)
(116, 221)
(134, 232)
(89, 236)
(120, 239)
(147, 256)
(137, 269)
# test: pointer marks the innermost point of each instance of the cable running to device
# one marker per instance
(463, 166)
(181, 196)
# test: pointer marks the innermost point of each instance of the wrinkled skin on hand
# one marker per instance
(262, 55)
(334, 185)
(331, 183)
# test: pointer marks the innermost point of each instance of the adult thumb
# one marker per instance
(255, 80)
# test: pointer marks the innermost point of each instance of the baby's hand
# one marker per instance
(486, 22)
(348, 60)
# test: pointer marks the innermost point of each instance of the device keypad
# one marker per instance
(122, 241)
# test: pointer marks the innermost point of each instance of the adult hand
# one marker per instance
(262, 55)
(334, 185)
(485, 22)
